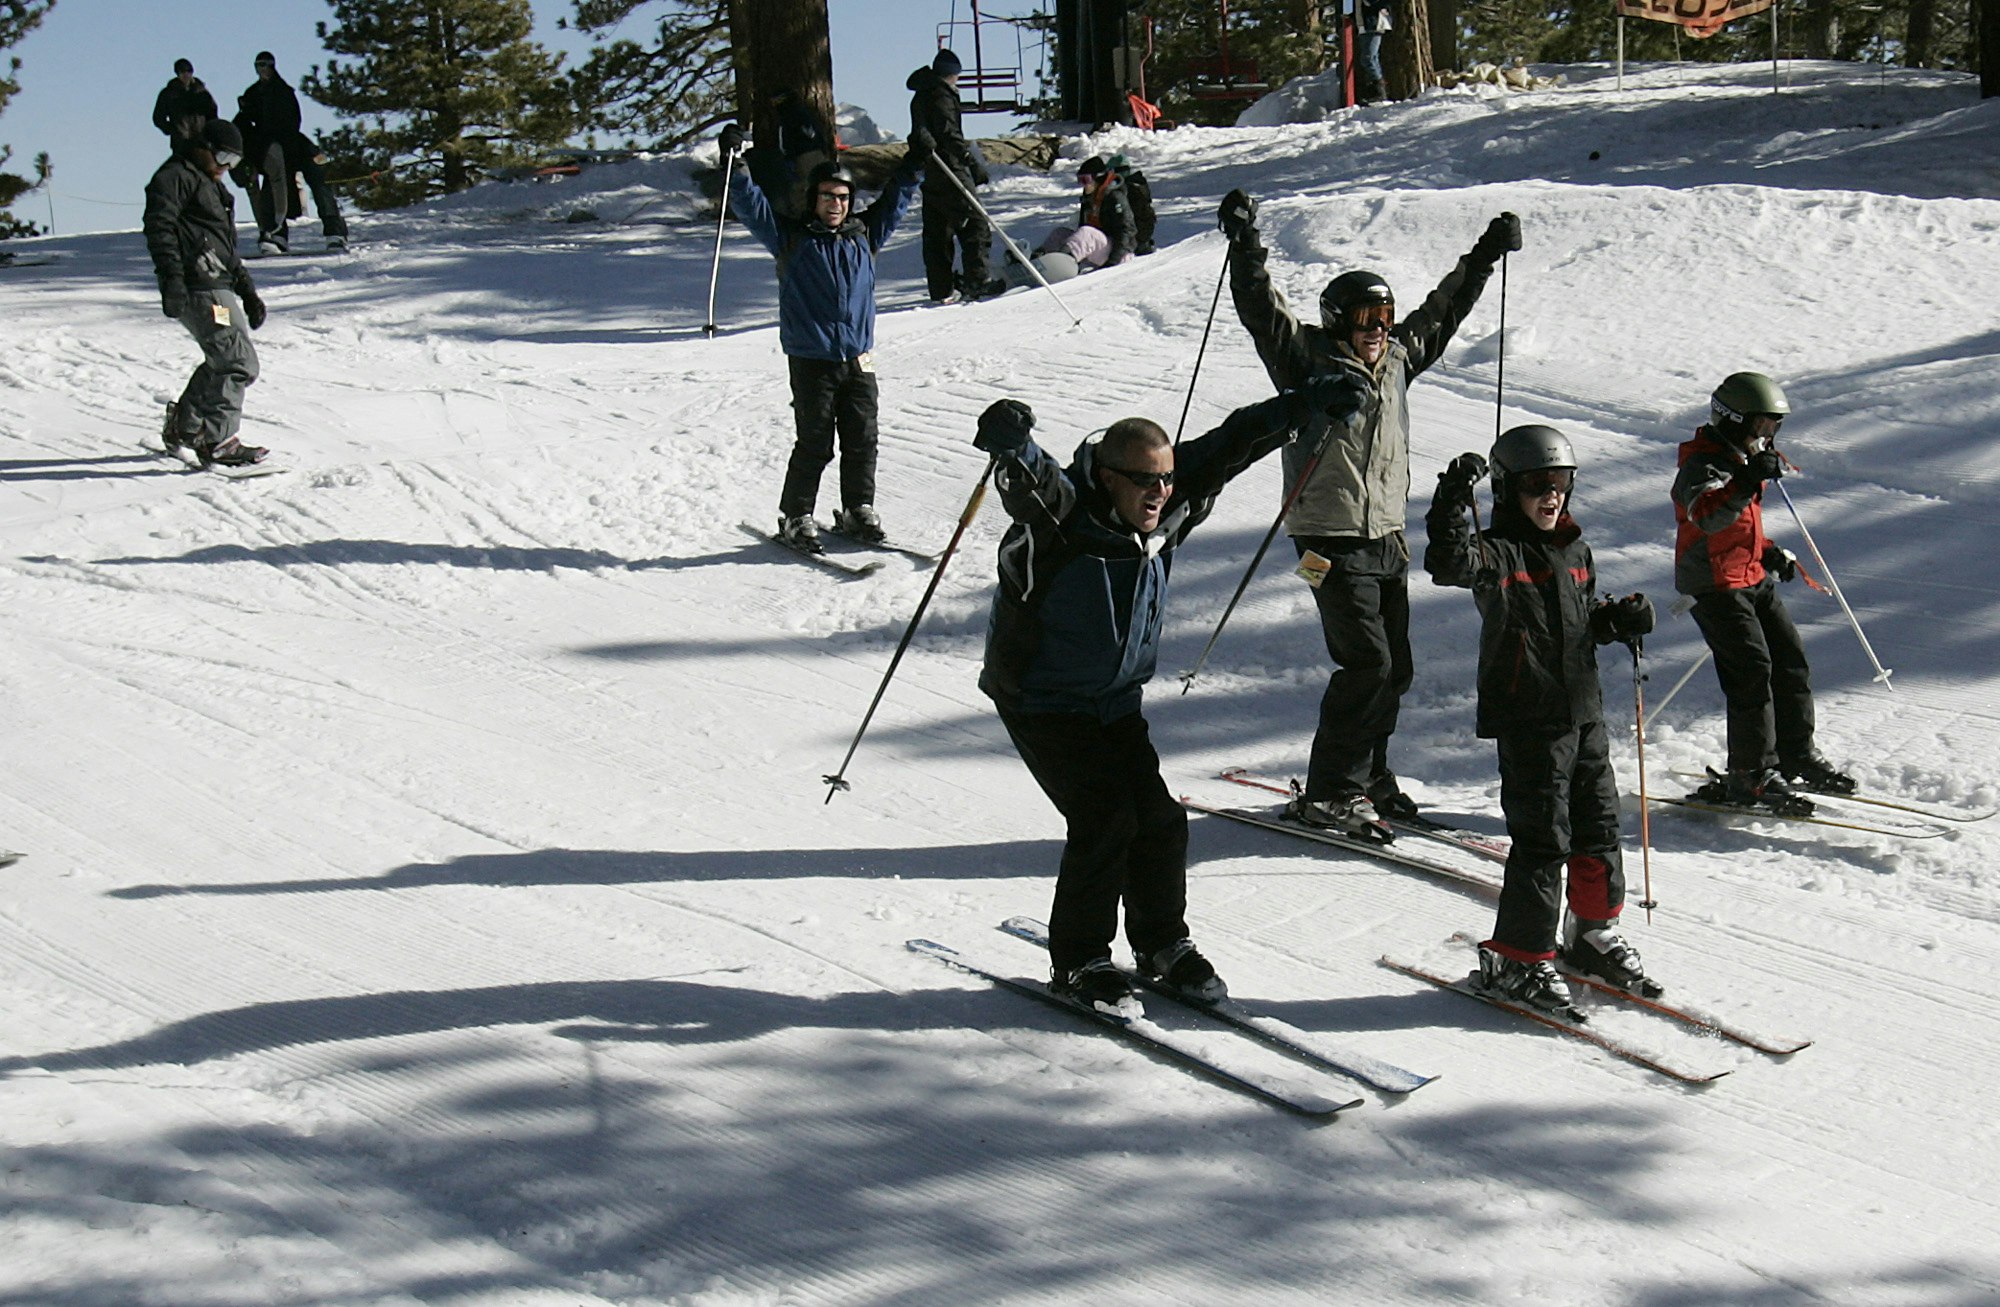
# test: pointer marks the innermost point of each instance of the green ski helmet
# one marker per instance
(1532, 448)
(1743, 395)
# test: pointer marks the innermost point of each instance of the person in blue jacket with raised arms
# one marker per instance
(826, 326)
(1072, 641)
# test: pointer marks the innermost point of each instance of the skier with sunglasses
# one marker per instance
(1072, 641)
(1347, 521)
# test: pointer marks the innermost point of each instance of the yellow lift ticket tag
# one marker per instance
(1313, 568)
(221, 312)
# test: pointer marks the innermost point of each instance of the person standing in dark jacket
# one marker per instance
(268, 114)
(190, 227)
(1347, 520)
(948, 215)
(1724, 561)
(1071, 642)
(1535, 583)
(184, 107)
(826, 327)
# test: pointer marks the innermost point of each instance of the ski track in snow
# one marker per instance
(430, 894)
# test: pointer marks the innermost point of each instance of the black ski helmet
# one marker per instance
(1532, 448)
(1742, 396)
(1350, 291)
(832, 170)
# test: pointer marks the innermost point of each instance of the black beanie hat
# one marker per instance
(266, 57)
(947, 64)
(183, 66)
(222, 135)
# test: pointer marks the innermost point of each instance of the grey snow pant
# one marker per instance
(211, 405)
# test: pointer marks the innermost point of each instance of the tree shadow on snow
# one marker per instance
(393, 553)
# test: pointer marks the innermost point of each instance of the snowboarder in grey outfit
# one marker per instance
(190, 230)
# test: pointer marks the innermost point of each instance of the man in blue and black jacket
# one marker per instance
(1072, 641)
(826, 326)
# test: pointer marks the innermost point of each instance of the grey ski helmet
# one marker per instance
(830, 171)
(1743, 395)
(1350, 291)
(1532, 448)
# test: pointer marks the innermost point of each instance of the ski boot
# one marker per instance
(1595, 948)
(861, 524)
(229, 452)
(1756, 788)
(1390, 801)
(801, 533)
(1098, 984)
(1536, 985)
(1181, 967)
(336, 244)
(170, 430)
(1351, 815)
(1815, 774)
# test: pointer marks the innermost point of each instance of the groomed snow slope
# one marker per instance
(429, 895)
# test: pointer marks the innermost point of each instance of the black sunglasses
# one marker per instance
(1143, 480)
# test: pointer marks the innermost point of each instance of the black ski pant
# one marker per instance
(274, 199)
(831, 399)
(1364, 613)
(1560, 798)
(948, 219)
(1127, 836)
(1765, 680)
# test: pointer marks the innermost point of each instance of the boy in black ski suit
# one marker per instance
(1072, 641)
(1535, 584)
(950, 216)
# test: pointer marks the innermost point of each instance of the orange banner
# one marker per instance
(1699, 17)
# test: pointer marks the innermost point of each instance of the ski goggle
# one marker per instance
(1143, 480)
(1368, 317)
(227, 159)
(1559, 480)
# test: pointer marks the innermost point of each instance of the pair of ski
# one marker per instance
(1279, 1090)
(1872, 814)
(1575, 1023)
(1492, 848)
(836, 563)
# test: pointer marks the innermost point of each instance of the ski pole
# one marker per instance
(1645, 817)
(1187, 677)
(1881, 672)
(1209, 326)
(1500, 381)
(838, 780)
(721, 217)
(1686, 676)
(1008, 241)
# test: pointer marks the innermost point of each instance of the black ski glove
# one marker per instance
(173, 301)
(1238, 219)
(1503, 235)
(253, 307)
(1336, 394)
(1459, 479)
(1781, 563)
(730, 140)
(1764, 465)
(923, 147)
(1627, 619)
(1004, 428)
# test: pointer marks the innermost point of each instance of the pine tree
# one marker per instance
(668, 91)
(17, 19)
(447, 91)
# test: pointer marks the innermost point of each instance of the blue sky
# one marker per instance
(90, 72)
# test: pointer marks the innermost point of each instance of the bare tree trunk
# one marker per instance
(1917, 36)
(1444, 33)
(1406, 51)
(781, 45)
(1819, 29)
(1986, 18)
